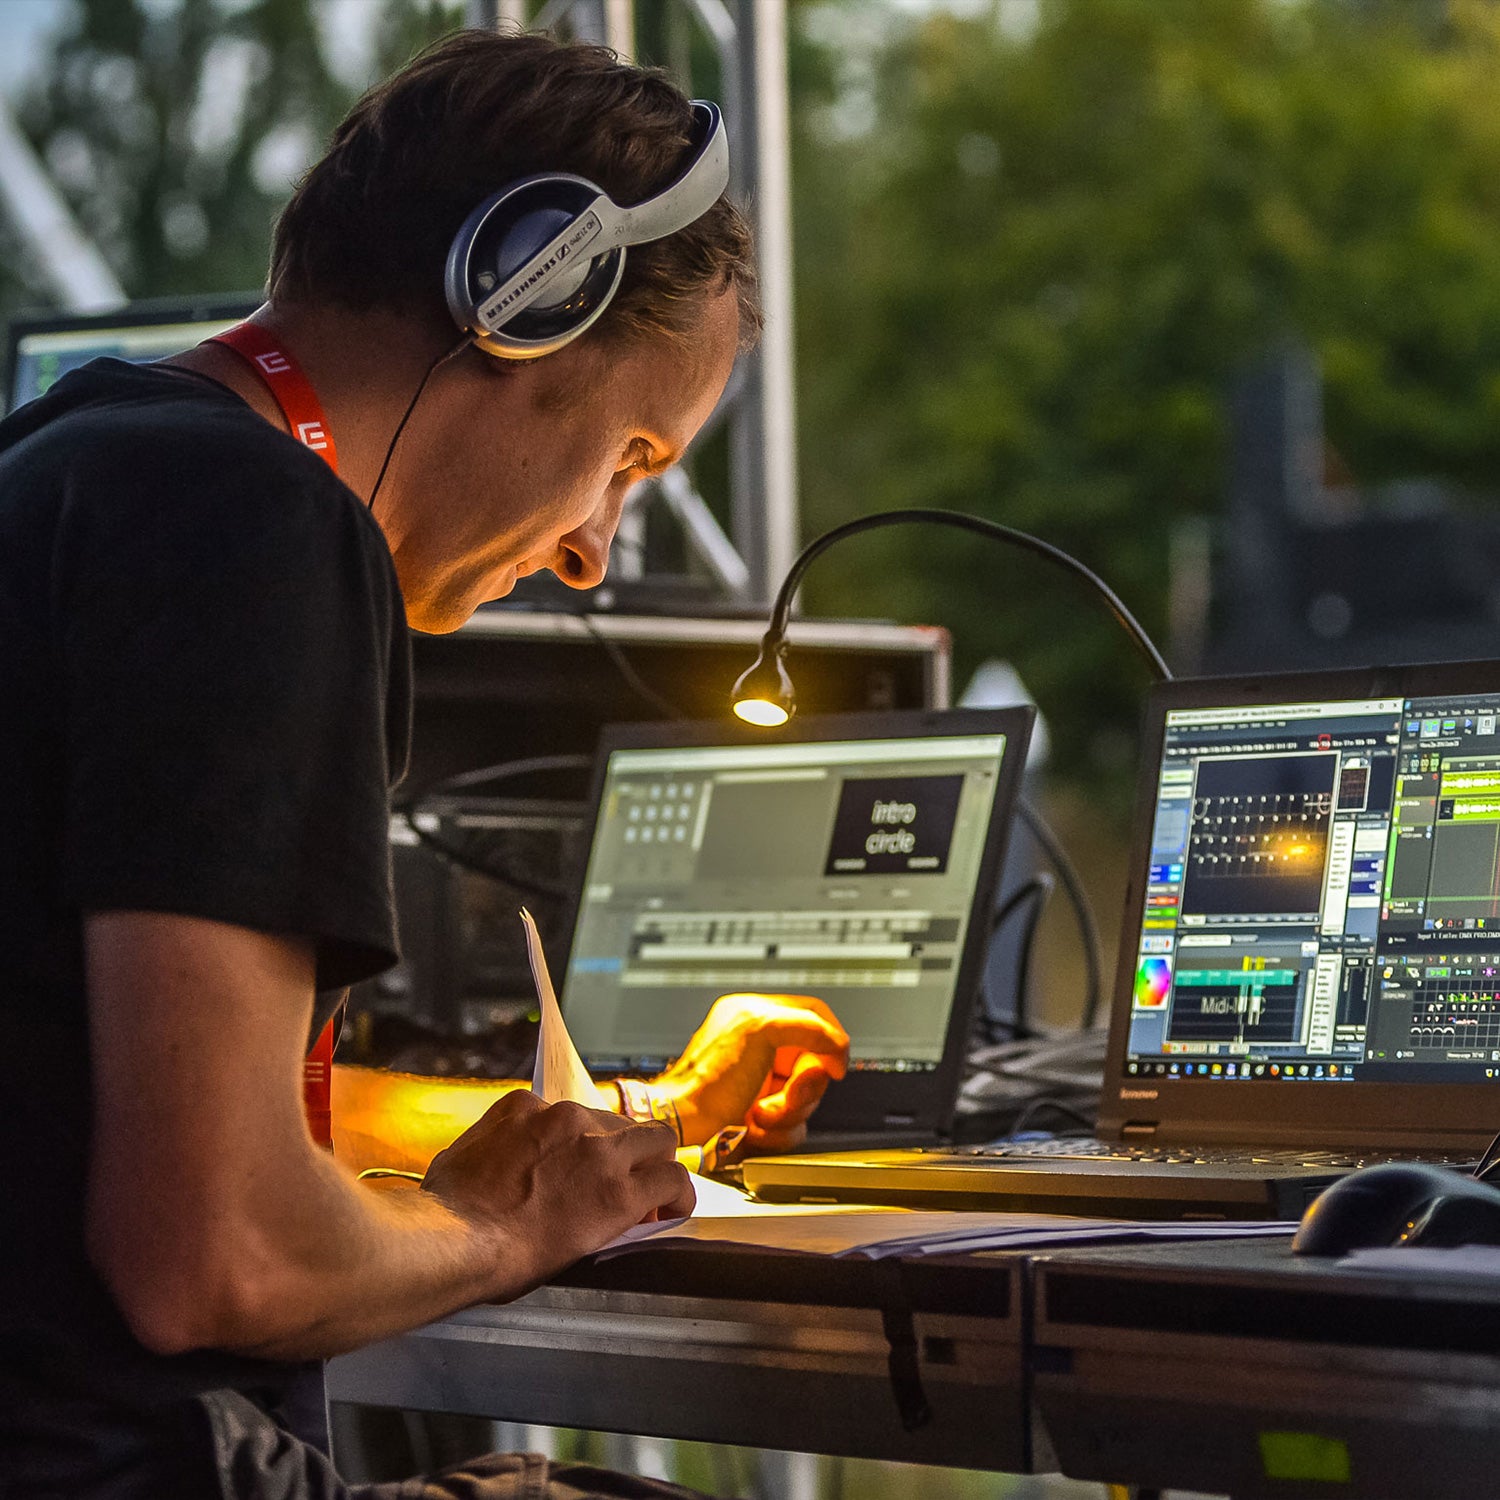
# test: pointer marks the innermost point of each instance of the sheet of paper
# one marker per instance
(876, 1234)
(560, 1073)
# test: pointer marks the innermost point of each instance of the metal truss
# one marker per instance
(749, 40)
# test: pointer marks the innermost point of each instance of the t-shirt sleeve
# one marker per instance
(232, 643)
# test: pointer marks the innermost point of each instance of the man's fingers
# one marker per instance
(516, 1102)
(801, 1002)
(782, 1138)
(808, 1032)
(801, 1021)
(648, 1140)
(798, 1096)
(668, 1188)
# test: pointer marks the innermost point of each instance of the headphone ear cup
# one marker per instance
(499, 238)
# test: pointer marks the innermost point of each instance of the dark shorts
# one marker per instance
(257, 1460)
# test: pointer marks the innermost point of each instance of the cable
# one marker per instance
(1037, 891)
(505, 770)
(1088, 927)
(1006, 1076)
(408, 809)
(1044, 887)
(1030, 1111)
(411, 406)
(782, 608)
(1488, 1162)
(633, 679)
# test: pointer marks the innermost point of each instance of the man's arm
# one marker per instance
(216, 1222)
(761, 1061)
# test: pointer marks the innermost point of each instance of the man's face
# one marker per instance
(528, 467)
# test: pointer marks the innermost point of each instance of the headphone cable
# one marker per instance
(411, 406)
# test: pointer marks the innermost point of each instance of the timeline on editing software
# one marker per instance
(1324, 893)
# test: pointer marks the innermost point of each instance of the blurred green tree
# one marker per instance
(1034, 245)
(175, 132)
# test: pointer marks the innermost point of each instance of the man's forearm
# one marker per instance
(245, 1235)
(350, 1264)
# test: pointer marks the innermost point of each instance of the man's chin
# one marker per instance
(444, 616)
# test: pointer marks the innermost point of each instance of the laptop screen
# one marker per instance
(844, 868)
(1323, 899)
(43, 349)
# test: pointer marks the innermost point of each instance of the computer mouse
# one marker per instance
(1399, 1203)
(1460, 1219)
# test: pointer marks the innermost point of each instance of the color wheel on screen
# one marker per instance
(1153, 983)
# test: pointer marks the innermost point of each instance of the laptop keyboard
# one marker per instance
(1066, 1148)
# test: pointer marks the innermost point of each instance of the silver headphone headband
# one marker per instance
(692, 195)
(603, 225)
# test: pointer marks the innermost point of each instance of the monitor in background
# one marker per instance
(44, 347)
(1324, 894)
(859, 870)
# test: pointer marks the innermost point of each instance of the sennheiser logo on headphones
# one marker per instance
(584, 231)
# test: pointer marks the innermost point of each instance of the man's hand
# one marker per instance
(215, 1222)
(556, 1181)
(758, 1060)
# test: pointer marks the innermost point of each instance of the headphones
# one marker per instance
(536, 263)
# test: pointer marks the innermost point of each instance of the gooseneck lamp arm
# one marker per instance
(764, 695)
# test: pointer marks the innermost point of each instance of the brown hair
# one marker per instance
(370, 224)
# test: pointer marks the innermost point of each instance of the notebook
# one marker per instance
(1309, 976)
(852, 857)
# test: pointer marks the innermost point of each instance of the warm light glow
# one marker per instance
(401, 1120)
(761, 712)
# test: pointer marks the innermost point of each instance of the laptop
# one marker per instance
(1309, 975)
(851, 857)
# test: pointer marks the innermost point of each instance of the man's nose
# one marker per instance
(584, 552)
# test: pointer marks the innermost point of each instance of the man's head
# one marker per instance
(508, 467)
(371, 223)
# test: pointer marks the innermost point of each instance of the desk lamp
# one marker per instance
(764, 695)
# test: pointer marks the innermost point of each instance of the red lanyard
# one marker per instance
(293, 391)
(304, 414)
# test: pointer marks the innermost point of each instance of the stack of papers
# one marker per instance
(727, 1218)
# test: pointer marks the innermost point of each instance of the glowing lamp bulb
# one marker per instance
(764, 695)
(761, 712)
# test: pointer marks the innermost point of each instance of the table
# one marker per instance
(1225, 1367)
(918, 1361)
(1239, 1368)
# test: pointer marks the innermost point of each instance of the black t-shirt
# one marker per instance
(204, 700)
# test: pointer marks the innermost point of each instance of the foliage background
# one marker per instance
(1033, 257)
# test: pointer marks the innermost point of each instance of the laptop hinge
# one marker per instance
(1135, 1129)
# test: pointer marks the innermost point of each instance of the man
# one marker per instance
(203, 666)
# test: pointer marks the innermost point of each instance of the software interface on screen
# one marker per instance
(1324, 894)
(842, 870)
(43, 358)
